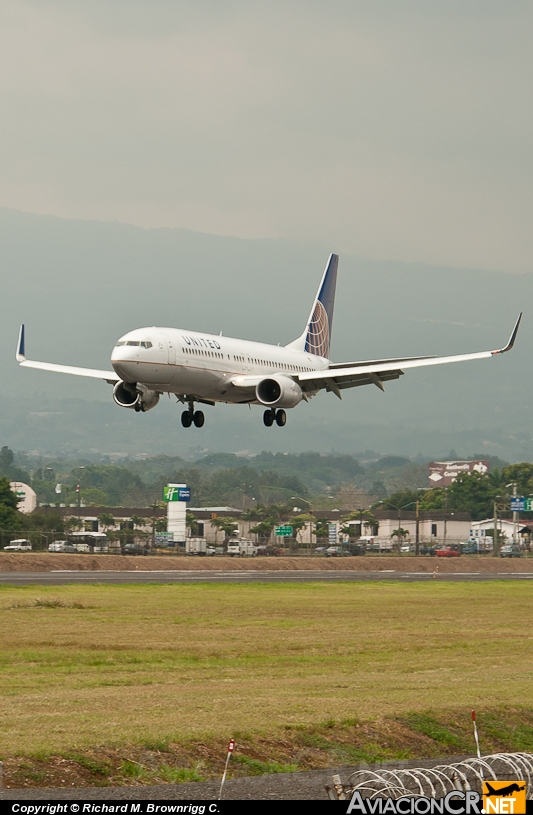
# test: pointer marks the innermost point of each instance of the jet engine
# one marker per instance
(135, 396)
(279, 392)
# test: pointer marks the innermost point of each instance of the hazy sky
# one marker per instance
(390, 129)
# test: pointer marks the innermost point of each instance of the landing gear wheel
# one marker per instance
(198, 418)
(281, 418)
(268, 418)
(138, 407)
(186, 418)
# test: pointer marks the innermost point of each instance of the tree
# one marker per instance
(73, 523)
(106, 520)
(521, 474)
(434, 499)
(137, 521)
(473, 493)
(227, 525)
(299, 522)
(8, 468)
(400, 533)
(263, 529)
(400, 498)
(322, 528)
(10, 518)
(44, 520)
(191, 522)
(365, 517)
(7, 458)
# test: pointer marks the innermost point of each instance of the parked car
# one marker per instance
(84, 548)
(210, 550)
(268, 550)
(428, 550)
(134, 549)
(337, 551)
(447, 551)
(510, 550)
(20, 545)
(320, 550)
(57, 546)
(65, 546)
(355, 548)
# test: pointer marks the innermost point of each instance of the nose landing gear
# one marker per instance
(271, 416)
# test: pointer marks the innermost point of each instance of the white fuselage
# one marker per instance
(208, 366)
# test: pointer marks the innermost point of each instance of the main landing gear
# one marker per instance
(189, 417)
(271, 416)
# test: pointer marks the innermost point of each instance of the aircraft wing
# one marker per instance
(375, 372)
(107, 376)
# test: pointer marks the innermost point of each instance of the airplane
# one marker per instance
(204, 369)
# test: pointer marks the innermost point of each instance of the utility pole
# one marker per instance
(417, 529)
(496, 544)
(445, 515)
(515, 518)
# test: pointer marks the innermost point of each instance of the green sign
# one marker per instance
(528, 505)
(283, 531)
(176, 494)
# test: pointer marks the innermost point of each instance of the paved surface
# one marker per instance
(310, 786)
(60, 578)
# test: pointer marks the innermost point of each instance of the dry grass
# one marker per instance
(292, 749)
(53, 561)
(115, 665)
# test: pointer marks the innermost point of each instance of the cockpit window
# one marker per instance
(136, 343)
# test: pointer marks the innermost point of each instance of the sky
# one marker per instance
(392, 129)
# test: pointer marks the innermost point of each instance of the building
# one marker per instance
(435, 526)
(27, 496)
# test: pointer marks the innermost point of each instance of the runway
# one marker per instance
(61, 578)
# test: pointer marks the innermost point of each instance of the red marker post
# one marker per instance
(475, 733)
(231, 748)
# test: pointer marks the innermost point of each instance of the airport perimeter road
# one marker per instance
(61, 578)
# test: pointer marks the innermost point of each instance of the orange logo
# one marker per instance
(504, 797)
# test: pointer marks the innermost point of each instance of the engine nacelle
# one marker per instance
(279, 391)
(134, 396)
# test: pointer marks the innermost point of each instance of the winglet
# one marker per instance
(512, 338)
(20, 355)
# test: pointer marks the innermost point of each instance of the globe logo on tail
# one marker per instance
(318, 332)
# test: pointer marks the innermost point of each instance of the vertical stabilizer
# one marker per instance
(317, 335)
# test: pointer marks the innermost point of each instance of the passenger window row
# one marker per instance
(200, 353)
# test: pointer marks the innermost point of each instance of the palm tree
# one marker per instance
(192, 523)
(365, 517)
(227, 525)
(106, 520)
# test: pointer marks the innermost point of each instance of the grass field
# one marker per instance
(139, 665)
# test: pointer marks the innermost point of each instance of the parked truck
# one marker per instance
(19, 545)
(196, 546)
(242, 548)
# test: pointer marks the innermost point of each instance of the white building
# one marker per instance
(27, 495)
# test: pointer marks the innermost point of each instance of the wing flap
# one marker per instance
(350, 373)
(108, 376)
